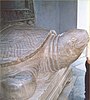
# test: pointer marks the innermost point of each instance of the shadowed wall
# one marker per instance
(57, 15)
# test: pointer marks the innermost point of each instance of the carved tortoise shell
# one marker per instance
(20, 42)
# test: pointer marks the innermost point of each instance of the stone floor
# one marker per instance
(78, 90)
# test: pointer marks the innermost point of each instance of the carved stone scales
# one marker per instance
(29, 56)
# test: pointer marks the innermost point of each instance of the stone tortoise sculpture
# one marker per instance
(27, 52)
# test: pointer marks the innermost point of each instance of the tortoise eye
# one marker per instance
(71, 42)
(73, 39)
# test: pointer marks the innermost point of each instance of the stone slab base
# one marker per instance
(58, 88)
(52, 90)
(67, 89)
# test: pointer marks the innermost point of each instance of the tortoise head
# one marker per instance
(78, 39)
(70, 46)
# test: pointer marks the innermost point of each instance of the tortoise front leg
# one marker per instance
(20, 86)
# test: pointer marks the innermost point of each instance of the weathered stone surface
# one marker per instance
(19, 87)
(37, 53)
(19, 43)
(51, 89)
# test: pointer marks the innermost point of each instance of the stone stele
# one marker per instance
(31, 58)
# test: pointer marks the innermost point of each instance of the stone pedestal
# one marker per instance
(51, 90)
